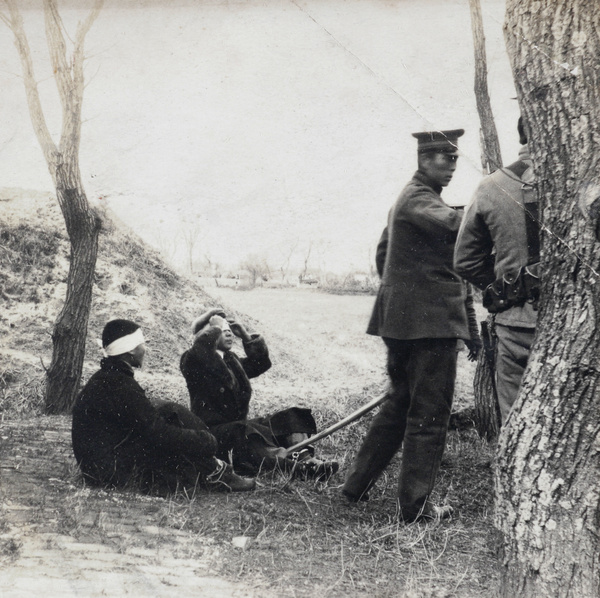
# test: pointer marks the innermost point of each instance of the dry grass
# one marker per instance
(304, 540)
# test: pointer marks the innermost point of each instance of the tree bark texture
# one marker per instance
(82, 223)
(491, 156)
(487, 410)
(547, 481)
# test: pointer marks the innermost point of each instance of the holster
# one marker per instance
(513, 289)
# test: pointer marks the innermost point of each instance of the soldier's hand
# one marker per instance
(474, 346)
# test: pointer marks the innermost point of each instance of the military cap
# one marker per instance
(444, 142)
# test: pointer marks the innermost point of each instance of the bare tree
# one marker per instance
(548, 495)
(486, 401)
(286, 258)
(166, 245)
(258, 268)
(82, 222)
(191, 233)
(491, 157)
(306, 258)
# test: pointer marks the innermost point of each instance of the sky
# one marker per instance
(262, 128)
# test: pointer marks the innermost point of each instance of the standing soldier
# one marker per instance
(420, 313)
(497, 250)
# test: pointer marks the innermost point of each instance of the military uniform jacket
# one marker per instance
(420, 295)
(492, 239)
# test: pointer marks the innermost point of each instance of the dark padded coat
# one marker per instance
(120, 439)
(420, 295)
(220, 393)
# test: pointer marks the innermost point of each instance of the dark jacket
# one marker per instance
(420, 295)
(220, 393)
(492, 240)
(220, 387)
(119, 437)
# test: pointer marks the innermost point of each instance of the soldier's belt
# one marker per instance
(513, 289)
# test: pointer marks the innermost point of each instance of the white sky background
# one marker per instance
(264, 124)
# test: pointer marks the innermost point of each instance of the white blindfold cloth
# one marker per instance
(123, 344)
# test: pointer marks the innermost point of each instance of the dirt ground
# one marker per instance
(89, 544)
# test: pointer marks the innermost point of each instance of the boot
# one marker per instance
(225, 479)
(307, 467)
(431, 513)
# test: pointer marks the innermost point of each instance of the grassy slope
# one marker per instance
(306, 542)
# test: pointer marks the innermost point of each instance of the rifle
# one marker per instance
(337, 426)
(487, 411)
(489, 351)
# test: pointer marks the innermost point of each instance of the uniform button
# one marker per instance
(221, 389)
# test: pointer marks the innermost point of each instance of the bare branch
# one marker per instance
(15, 23)
(58, 53)
(78, 58)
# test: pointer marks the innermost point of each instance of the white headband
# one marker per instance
(124, 344)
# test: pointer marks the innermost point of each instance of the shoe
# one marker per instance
(432, 514)
(440, 512)
(314, 469)
(224, 478)
(352, 498)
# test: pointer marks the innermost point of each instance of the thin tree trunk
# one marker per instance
(486, 400)
(70, 328)
(82, 223)
(547, 483)
(491, 156)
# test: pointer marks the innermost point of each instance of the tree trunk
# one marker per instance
(548, 495)
(486, 401)
(83, 224)
(491, 157)
(70, 328)
(487, 410)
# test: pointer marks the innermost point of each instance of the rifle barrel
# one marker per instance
(338, 425)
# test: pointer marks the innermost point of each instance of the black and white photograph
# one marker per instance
(299, 298)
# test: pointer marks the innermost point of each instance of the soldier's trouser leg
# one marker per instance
(514, 345)
(431, 372)
(387, 429)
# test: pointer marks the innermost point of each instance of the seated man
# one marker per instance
(121, 440)
(219, 385)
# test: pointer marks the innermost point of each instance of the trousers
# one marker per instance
(514, 346)
(422, 374)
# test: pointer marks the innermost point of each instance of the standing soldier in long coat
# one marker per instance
(420, 313)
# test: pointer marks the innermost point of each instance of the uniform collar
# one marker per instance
(423, 178)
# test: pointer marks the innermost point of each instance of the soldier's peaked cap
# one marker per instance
(438, 141)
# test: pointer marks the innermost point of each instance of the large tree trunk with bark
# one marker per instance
(82, 223)
(547, 484)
